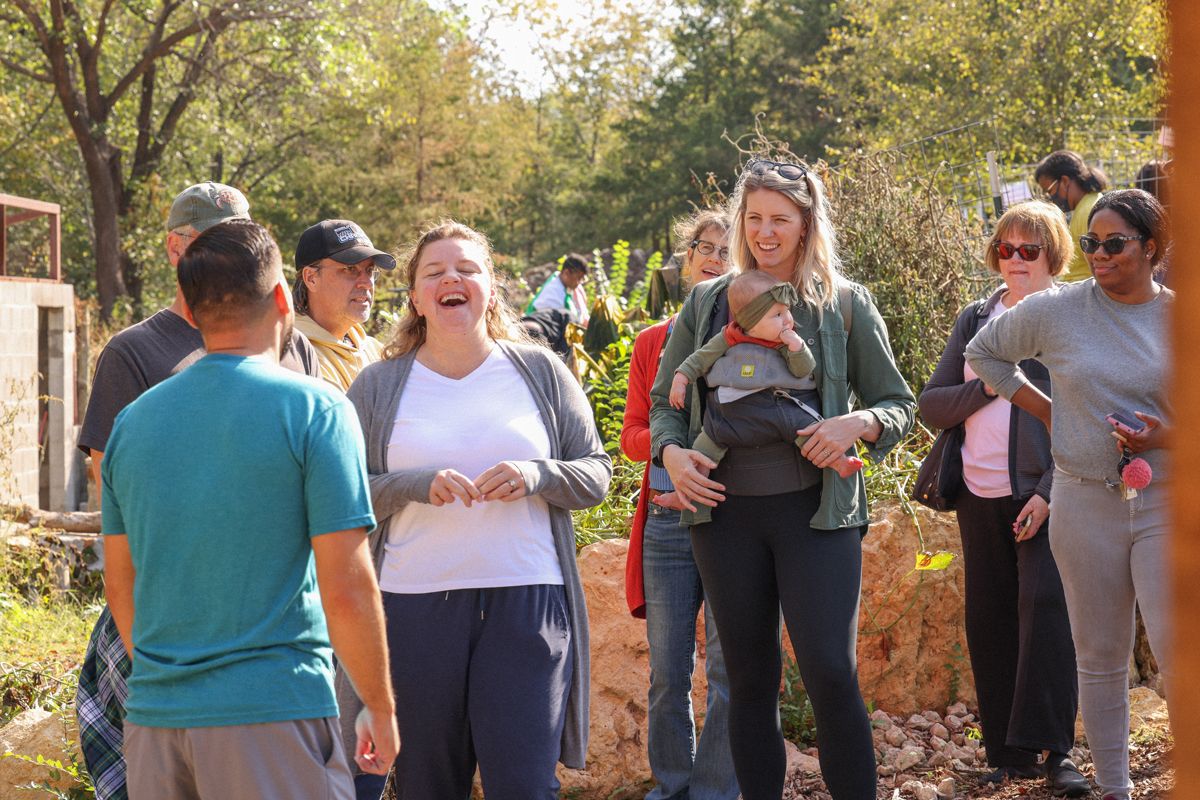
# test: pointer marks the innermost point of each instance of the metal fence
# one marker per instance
(970, 164)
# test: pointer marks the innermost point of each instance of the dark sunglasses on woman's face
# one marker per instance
(707, 249)
(1112, 245)
(1027, 252)
(790, 172)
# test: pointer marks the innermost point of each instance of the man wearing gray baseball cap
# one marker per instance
(135, 359)
(336, 268)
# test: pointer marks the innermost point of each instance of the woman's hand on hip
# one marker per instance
(1035, 512)
(503, 482)
(689, 473)
(828, 440)
(450, 485)
(1151, 437)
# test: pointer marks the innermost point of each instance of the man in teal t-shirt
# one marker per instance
(232, 491)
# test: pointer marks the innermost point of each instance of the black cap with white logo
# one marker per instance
(341, 240)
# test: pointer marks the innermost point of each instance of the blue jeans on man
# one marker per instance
(684, 767)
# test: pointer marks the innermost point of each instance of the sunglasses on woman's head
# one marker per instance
(1027, 252)
(708, 248)
(790, 172)
(1112, 245)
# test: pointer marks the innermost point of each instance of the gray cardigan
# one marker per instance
(575, 476)
(947, 400)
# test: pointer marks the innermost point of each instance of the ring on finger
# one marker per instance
(512, 484)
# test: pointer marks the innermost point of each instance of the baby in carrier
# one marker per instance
(758, 352)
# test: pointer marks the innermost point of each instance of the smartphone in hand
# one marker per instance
(1023, 528)
(1125, 423)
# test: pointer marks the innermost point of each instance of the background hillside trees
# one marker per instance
(394, 112)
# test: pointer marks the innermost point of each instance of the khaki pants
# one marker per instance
(295, 759)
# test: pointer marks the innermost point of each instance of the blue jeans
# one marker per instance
(683, 768)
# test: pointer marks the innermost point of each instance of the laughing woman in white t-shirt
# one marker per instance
(1016, 617)
(479, 446)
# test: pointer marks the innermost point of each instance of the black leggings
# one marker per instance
(757, 555)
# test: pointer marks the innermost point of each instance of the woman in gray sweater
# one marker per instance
(478, 448)
(1104, 342)
(1016, 617)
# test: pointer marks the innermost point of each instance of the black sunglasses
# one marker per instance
(1027, 252)
(707, 249)
(1112, 245)
(790, 172)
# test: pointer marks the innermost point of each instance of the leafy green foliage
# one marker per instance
(795, 708)
(906, 242)
(607, 384)
(895, 71)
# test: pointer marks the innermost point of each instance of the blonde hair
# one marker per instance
(412, 329)
(747, 286)
(1040, 219)
(816, 271)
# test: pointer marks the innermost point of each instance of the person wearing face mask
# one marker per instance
(1074, 186)
(662, 583)
(1105, 344)
(777, 539)
(336, 267)
(1016, 616)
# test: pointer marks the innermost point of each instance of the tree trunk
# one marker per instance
(110, 280)
(134, 282)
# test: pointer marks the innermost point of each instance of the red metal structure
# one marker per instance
(15, 210)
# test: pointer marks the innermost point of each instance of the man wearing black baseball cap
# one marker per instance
(336, 267)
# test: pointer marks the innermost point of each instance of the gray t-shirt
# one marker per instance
(148, 353)
(1103, 356)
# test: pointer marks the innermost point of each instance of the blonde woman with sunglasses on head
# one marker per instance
(1016, 616)
(786, 530)
(1104, 343)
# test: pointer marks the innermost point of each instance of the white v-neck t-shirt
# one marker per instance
(469, 425)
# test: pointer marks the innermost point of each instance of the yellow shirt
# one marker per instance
(340, 360)
(1077, 269)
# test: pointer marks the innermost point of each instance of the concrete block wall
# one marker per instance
(20, 473)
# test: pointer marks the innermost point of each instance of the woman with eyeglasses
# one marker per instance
(1074, 187)
(662, 583)
(1104, 343)
(1016, 618)
(785, 530)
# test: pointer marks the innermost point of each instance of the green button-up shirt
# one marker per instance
(855, 369)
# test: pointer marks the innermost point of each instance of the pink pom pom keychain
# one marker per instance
(1136, 473)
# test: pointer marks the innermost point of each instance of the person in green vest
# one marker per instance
(1074, 187)
(565, 290)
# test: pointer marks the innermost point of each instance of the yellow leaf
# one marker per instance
(934, 561)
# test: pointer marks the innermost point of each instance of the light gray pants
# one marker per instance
(1111, 553)
(295, 759)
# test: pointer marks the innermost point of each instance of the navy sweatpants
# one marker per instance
(480, 676)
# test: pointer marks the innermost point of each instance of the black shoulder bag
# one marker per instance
(940, 478)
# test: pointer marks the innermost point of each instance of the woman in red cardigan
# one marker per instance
(661, 581)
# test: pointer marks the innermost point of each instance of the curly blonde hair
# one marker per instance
(817, 269)
(412, 329)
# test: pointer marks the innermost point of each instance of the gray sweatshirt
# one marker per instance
(1103, 356)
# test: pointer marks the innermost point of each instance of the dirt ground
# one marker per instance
(1149, 759)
